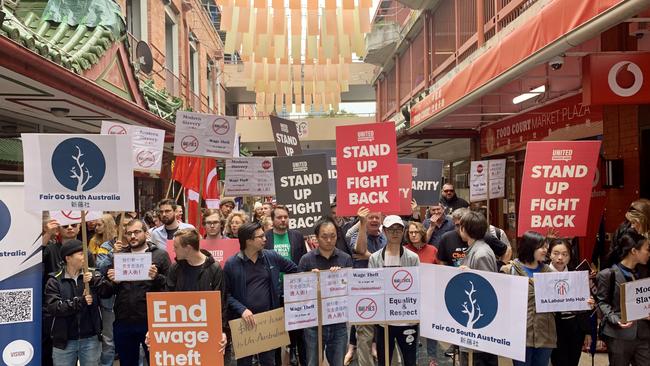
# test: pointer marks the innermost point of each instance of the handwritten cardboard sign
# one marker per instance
(269, 333)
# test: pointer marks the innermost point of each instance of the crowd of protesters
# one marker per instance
(92, 319)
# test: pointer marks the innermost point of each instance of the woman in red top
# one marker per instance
(414, 237)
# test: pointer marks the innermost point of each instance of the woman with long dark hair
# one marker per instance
(540, 327)
(627, 342)
(571, 326)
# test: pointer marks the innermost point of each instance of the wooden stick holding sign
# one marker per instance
(120, 228)
(320, 323)
(201, 189)
(386, 349)
(84, 243)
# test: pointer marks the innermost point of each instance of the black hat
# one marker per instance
(70, 248)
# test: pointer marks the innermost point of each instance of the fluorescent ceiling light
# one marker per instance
(532, 94)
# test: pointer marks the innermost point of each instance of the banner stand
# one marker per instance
(84, 241)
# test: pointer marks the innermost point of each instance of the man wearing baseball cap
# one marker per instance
(395, 255)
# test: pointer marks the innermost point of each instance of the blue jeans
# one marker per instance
(335, 341)
(108, 346)
(535, 357)
(85, 350)
(128, 337)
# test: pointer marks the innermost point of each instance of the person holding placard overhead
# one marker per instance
(326, 257)
(541, 336)
(253, 282)
(571, 326)
(394, 255)
(627, 342)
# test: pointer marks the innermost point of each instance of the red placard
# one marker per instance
(221, 249)
(556, 187)
(405, 180)
(616, 78)
(366, 159)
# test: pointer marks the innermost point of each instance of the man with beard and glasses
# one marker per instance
(170, 224)
(130, 326)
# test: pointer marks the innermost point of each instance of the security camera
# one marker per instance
(638, 34)
(556, 62)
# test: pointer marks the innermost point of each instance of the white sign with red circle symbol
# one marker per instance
(189, 144)
(147, 144)
(249, 177)
(402, 280)
(366, 309)
(478, 181)
(206, 135)
(74, 217)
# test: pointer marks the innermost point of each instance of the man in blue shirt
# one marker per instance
(165, 232)
(437, 224)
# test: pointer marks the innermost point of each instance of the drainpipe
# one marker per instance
(600, 23)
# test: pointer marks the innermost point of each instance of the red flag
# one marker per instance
(188, 175)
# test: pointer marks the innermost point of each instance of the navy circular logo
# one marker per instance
(5, 220)
(471, 300)
(78, 164)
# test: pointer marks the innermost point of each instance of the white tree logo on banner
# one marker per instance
(78, 164)
(474, 311)
(471, 300)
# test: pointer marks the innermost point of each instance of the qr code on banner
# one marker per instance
(16, 306)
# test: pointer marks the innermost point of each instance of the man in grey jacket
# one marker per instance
(479, 256)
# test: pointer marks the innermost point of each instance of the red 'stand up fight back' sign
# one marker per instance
(556, 187)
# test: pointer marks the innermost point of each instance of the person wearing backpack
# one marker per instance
(627, 342)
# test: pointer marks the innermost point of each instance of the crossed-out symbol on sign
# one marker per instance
(366, 308)
(117, 130)
(402, 280)
(69, 214)
(145, 158)
(220, 126)
(189, 143)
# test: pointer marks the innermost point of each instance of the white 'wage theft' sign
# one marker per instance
(382, 295)
(561, 291)
(635, 300)
(147, 144)
(249, 177)
(300, 300)
(78, 172)
(206, 135)
(480, 310)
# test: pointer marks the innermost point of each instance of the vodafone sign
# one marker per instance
(616, 78)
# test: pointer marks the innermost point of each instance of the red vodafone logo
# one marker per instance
(625, 78)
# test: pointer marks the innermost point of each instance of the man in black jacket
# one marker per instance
(290, 244)
(76, 324)
(196, 270)
(450, 200)
(130, 326)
